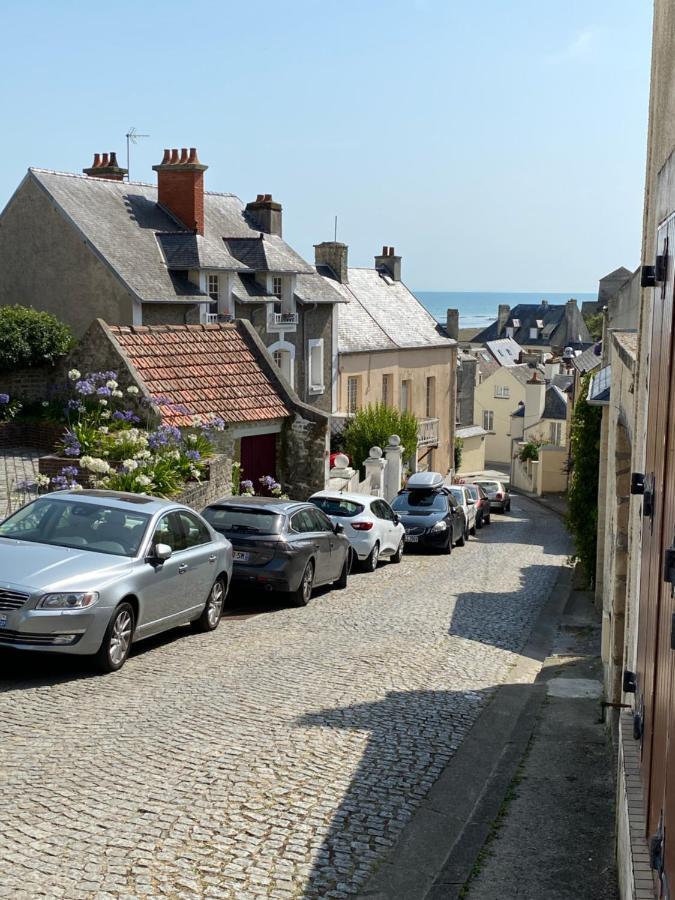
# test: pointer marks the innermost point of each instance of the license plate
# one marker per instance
(3, 621)
(240, 556)
(411, 538)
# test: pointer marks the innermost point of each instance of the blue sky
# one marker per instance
(497, 146)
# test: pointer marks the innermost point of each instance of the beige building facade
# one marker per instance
(496, 398)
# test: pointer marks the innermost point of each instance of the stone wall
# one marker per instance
(303, 457)
(36, 383)
(39, 435)
(170, 314)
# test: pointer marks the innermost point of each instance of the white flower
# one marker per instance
(191, 438)
(111, 384)
(197, 421)
(132, 389)
(130, 464)
(143, 454)
(95, 464)
(42, 480)
(144, 481)
(74, 375)
(103, 401)
(104, 429)
(117, 394)
(45, 402)
(174, 454)
(75, 486)
(106, 414)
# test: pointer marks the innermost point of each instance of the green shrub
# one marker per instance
(459, 451)
(582, 517)
(530, 451)
(31, 338)
(373, 426)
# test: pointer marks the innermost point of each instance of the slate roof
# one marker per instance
(206, 368)
(145, 246)
(382, 314)
(470, 431)
(506, 351)
(557, 327)
(555, 403)
(562, 381)
(587, 361)
(486, 362)
(521, 373)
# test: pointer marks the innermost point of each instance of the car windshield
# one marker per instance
(82, 526)
(420, 501)
(473, 491)
(490, 486)
(243, 521)
(335, 506)
(458, 494)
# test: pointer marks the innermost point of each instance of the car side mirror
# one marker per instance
(397, 519)
(471, 502)
(162, 552)
(338, 528)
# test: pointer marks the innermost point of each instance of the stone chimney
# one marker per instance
(105, 166)
(265, 214)
(535, 398)
(334, 255)
(452, 323)
(389, 264)
(503, 313)
(180, 184)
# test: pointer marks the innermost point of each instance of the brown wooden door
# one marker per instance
(258, 458)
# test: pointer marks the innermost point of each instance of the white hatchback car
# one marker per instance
(372, 526)
(468, 504)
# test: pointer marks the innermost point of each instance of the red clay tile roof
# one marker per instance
(206, 368)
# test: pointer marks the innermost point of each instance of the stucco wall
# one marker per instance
(473, 455)
(415, 366)
(498, 442)
(551, 473)
(46, 264)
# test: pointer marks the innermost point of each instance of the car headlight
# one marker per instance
(69, 600)
(440, 526)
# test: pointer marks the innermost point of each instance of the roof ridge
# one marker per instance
(111, 181)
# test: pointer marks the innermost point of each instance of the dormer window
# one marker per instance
(213, 290)
(277, 286)
(509, 331)
(516, 323)
(534, 334)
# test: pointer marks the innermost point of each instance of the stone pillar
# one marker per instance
(394, 470)
(375, 467)
(341, 475)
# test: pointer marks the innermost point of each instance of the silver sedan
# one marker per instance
(90, 572)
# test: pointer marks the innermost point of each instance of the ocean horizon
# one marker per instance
(479, 308)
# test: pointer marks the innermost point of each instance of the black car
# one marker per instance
(431, 518)
(281, 545)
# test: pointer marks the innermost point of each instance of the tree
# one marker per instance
(459, 450)
(594, 324)
(31, 338)
(582, 516)
(372, 426)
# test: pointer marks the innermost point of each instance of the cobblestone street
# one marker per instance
(279, 757)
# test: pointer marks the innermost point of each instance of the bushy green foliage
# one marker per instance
(594, 324)
(530, 451)
(582, 517)
(31, 338)
(372, 426)
(459, 450)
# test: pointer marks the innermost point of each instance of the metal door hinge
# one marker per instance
(647, 276)
(669, 565)
(637, 483)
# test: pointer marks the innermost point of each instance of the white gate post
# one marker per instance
(394, 472)
(375, 467)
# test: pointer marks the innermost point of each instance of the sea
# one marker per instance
(478, 308)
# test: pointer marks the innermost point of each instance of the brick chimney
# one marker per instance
(105, 166)
(389, 264)
(265, 214)
(180, 187)
(452, 323)
(503, 313)
(334, 255)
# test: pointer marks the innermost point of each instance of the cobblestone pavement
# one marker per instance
(15, 465)
(277, 758)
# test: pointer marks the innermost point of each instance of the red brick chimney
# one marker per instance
(180, 185)
(105, 166)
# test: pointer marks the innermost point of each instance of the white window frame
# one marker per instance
(534, 334)
(509, 331)
(285, 347)
(502, 392)
(278, 287)
(430, 400)
(489, 420)
(556, 433)
(315, 360)
(387, 381)
(352, 394)
(406, 395)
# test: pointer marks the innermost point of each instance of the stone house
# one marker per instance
(608, 286)
(392, 351)
(220, 368)
(541, 328)
(95, 246)
(496, 398)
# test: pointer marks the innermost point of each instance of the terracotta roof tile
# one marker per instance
(208, 369)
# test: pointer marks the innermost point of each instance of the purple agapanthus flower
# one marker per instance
(85, 387)
(246, 485)
(103, 391)
(60, 482)
(126, 415)
(163, 437)
(70, 471)
(193, 454)
(4, 399)
(74, 405)
(72, 446)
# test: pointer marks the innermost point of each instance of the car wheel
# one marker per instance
(479, 522)
(486, 520)
(398, 556)
(508, 508)
(447, 549)
(116, 643)
(341, 583)
(373, 558)
(472, 530)
(303, 594)
(213, 611)
(460, 541)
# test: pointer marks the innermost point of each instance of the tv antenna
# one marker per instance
(132, 137)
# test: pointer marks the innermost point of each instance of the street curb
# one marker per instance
(436, 851)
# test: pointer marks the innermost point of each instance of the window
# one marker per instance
(431, 397)
(342, 509)
(277, 356)
(315, 365)
(386, 390)
(169, 532)
(458, 412)
(516, 323)
(406, 395)
(352, 394)
(502, 391)
(302, 522)
(556, 433)
(534, 334)
(213, 290)
(320, 520)
(509, 331)
(277, 286)
(195, 532)
(488, 420)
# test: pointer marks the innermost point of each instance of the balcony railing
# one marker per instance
(427, 433)
(214, 318)
(282, 321)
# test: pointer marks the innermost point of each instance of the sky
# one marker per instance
(496, 145)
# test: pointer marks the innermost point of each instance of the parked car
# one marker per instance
(482, 504)
(498, 494)
(282, 545)
(430, 515)
(463, 497)
(91, 572)
(372, 527)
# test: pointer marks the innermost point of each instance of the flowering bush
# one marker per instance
(269, 487)
(118, 450)
(8, 408)
(65, 480)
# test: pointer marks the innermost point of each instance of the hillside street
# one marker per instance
(283, 755)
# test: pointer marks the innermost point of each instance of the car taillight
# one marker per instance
(499, 495)
(361, 526)
(282, 548)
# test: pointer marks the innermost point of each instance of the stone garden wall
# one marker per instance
(303, 457)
